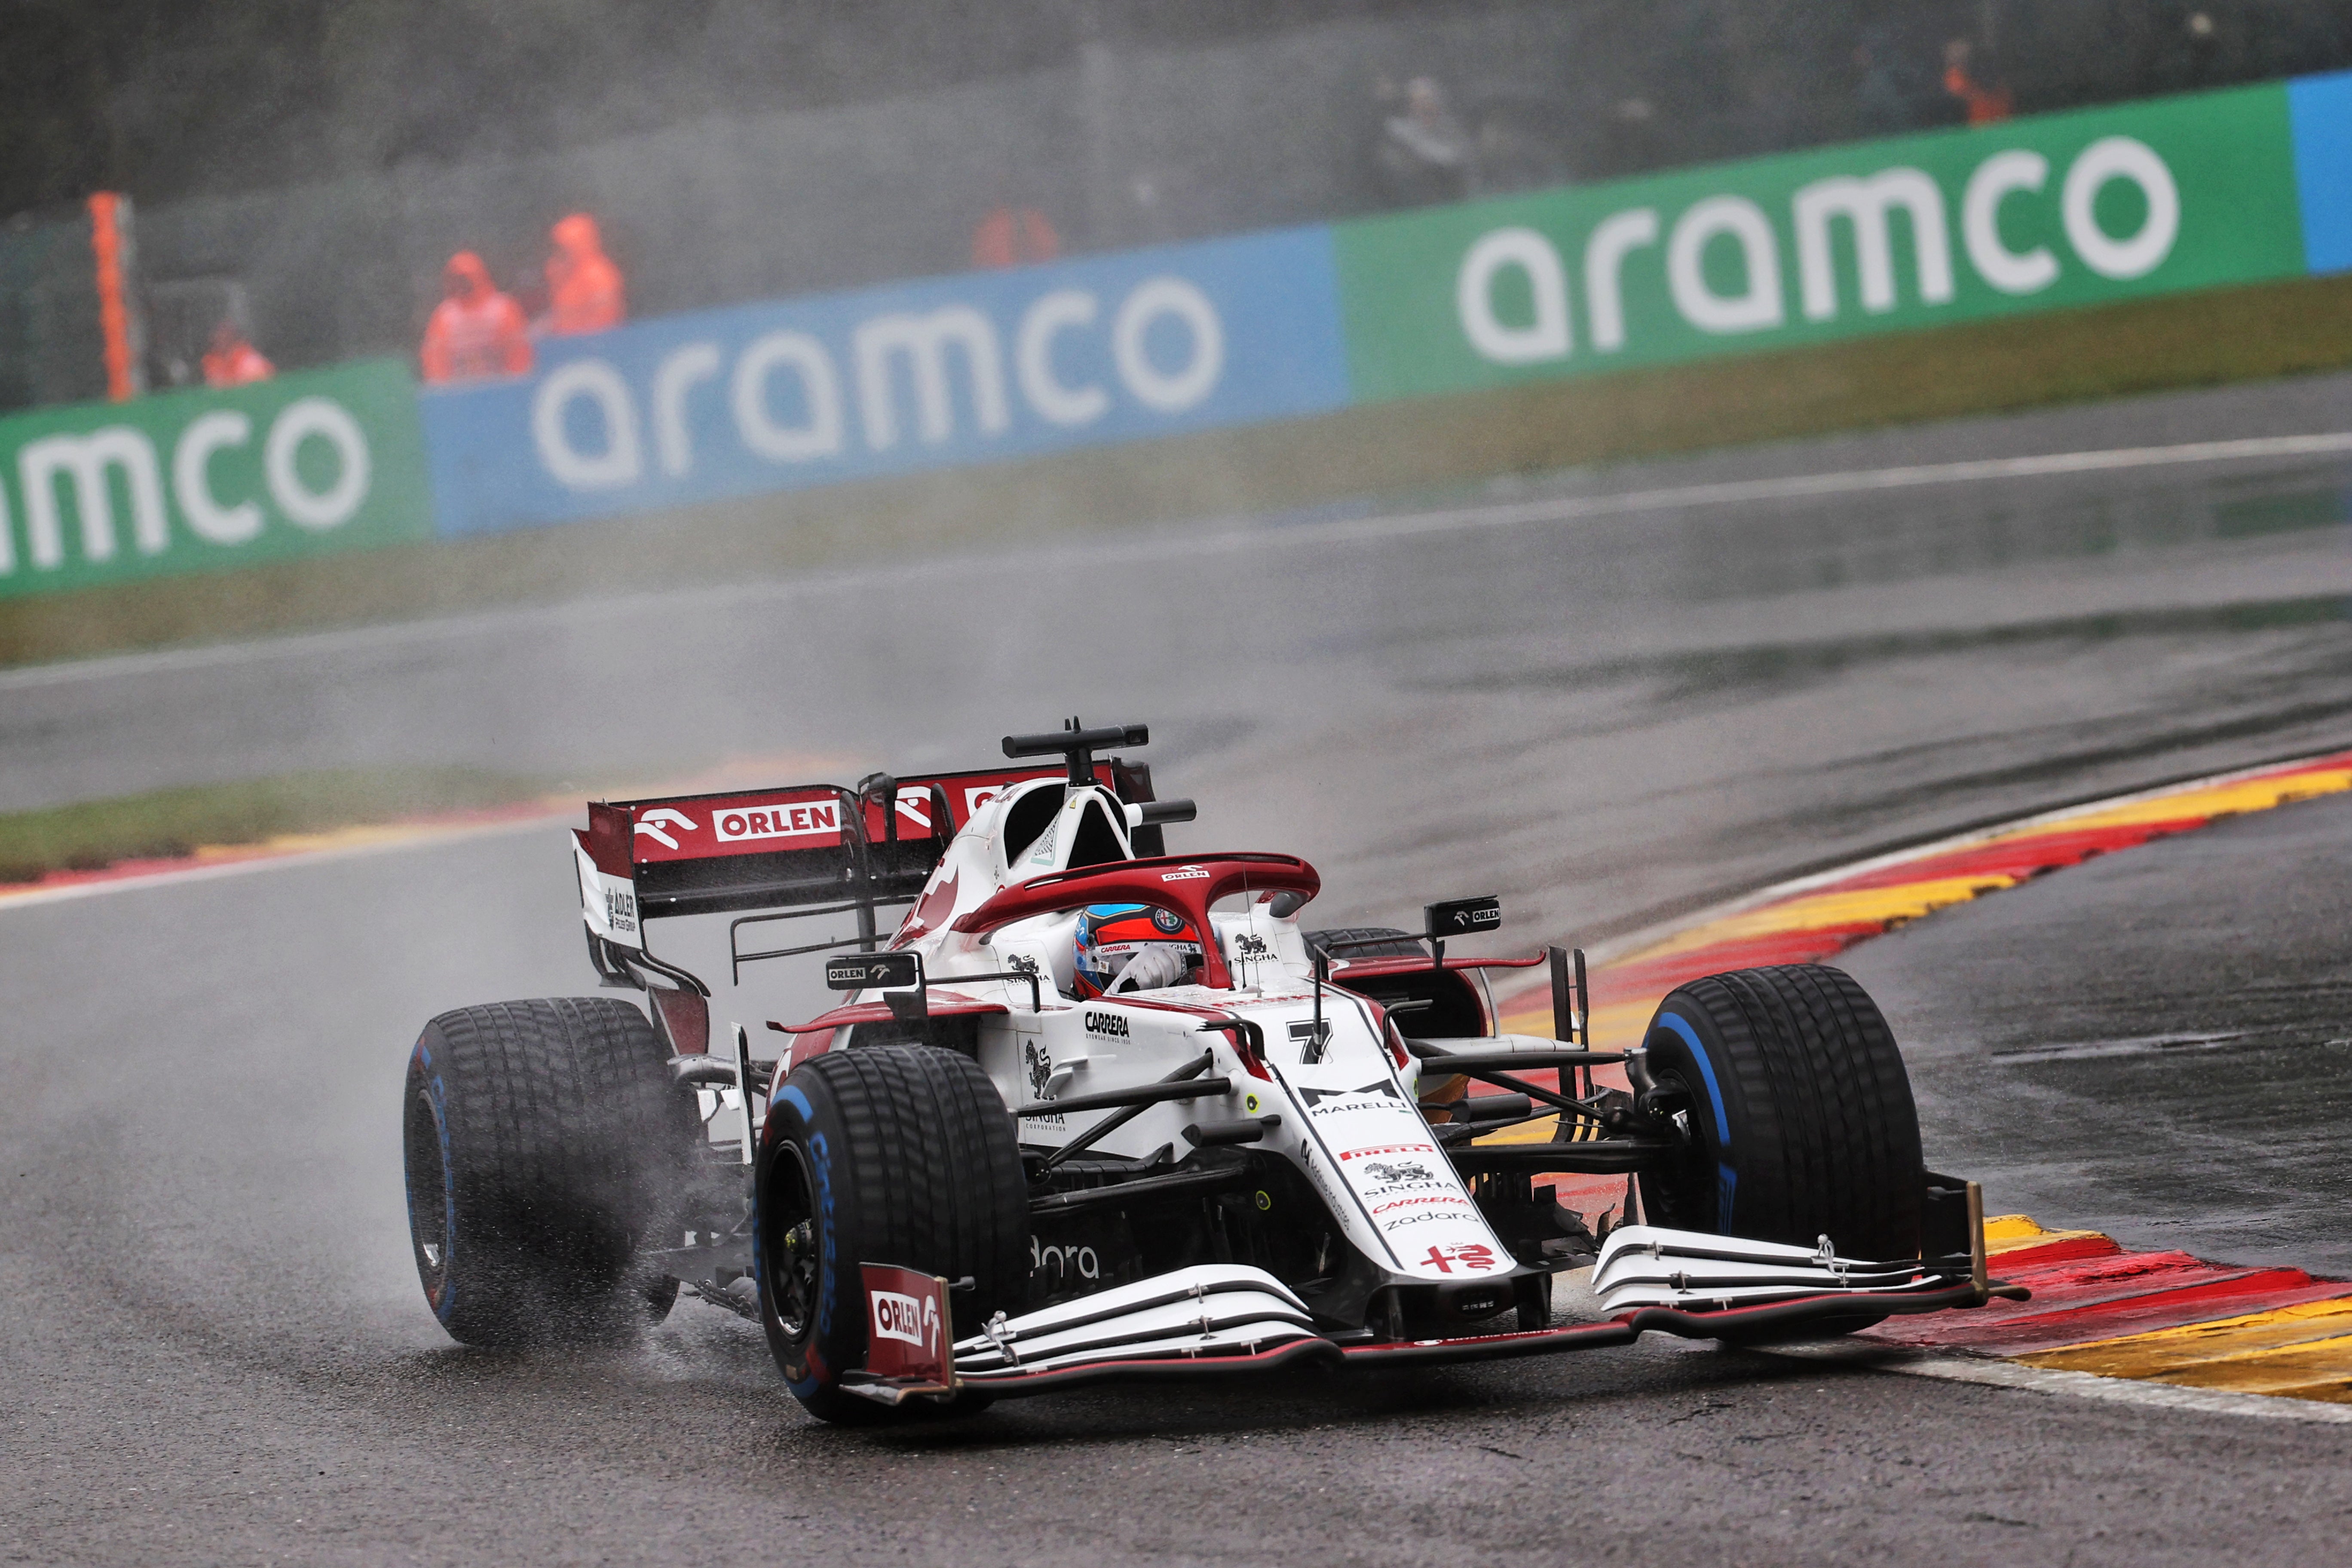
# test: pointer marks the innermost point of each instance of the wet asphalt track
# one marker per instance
(2160, 1040)
(211, 1345)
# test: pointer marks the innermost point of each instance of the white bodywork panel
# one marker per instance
(1349, 1123)
(1651, 1266)
(609, 904)
(1215, 1306)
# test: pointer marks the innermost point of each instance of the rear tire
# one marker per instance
(1802, 1119)
(545, 1151)
(896, 1154)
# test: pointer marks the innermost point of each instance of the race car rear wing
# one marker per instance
(802, 849)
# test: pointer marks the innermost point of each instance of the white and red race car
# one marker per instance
(982, 1174)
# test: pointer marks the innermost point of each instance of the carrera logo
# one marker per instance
(1379, 1149)
(1111, 1024)
(905, 1319)
(1184, 874)
(1421, 1202)
(798, 821)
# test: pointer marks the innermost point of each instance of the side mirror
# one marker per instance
(1463, 917)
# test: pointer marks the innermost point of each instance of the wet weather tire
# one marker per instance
(896, 1154)
(1801, 1119)
(545, 1149)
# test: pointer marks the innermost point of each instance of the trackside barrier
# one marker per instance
(2075, 209)
(974, 368)
(2238, 186)
(2062, 211)
(307, 464)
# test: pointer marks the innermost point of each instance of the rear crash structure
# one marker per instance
(978, 1174)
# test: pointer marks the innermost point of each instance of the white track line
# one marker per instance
(1797, 487)
(1994, 1374)
(422, 838)
(1183, 540)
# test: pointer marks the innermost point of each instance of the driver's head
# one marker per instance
(1133, 947)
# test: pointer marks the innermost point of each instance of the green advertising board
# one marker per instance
(309, 463)
(2060, 210)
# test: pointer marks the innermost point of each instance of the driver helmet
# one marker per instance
(1110, 935)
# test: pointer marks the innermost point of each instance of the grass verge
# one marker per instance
(2195, 340)
(93, 834)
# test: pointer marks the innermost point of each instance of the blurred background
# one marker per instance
(304, 171)
(317, 317)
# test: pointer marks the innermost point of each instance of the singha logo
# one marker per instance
(1041, 1068)
(1408, 1173)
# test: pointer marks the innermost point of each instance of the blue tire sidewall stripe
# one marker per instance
(821, 1179)
(1728, 1178)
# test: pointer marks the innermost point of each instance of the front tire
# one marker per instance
(544, 1152)
(1800, 1114)
(896, 1154)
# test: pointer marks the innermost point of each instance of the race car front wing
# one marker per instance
(1228, 1319)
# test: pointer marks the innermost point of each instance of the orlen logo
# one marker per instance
(1184, 874)
(777, 821)
(1111, 1024)
(903, 1318)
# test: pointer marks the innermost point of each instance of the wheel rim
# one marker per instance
(793, 1261)
(1681, 1192)
(431, 1199)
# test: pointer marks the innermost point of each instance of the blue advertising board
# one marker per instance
(979, 367)
(2319, 109)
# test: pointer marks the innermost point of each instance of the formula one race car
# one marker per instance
(1094, 1111)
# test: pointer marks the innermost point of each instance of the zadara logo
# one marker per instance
(1184, 874)
(905, 1319)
